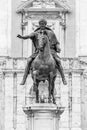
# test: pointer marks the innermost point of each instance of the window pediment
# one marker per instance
(43, 5)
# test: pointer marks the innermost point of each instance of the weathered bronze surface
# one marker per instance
(44, 62)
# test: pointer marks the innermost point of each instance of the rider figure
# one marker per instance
(54, 46)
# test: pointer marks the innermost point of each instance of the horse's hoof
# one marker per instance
(54, 102)
(64, 82)
(37, 101)
(49, 101)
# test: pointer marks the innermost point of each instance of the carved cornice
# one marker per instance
(44, 107)
(41, 5)
(12, 71)
(46, 15)
(21, 71)
(18, 64)
(33, 10)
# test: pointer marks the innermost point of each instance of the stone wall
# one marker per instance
(13, 96)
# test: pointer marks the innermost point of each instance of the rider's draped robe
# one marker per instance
(54, 44)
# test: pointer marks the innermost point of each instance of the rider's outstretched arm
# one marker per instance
(26, 37)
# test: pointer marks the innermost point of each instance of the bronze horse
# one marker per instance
(44, 67)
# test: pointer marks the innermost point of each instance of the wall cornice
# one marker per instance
(33, 5)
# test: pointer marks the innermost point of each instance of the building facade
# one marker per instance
(64, 18)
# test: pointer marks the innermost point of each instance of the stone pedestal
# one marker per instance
(43, 116)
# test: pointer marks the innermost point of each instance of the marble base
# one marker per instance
(43, 116)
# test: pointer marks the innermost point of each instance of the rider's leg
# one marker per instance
(60, 69)
(27, 70)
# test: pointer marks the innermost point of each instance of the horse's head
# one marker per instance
(42, 42)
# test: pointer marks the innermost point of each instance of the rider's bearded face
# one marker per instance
(42, 25)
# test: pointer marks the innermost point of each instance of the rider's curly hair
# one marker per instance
(43, 20)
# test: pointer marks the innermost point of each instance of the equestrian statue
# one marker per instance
(44, 62)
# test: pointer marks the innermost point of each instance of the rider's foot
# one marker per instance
(23, 82)
(64, 81)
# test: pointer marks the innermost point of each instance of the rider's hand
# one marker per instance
(58, 50)
(19, 36)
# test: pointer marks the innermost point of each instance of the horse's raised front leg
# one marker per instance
(52, 90)
(37, 93)
(34, 81)
(35, 86)
(49, 97)
(50, 87)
